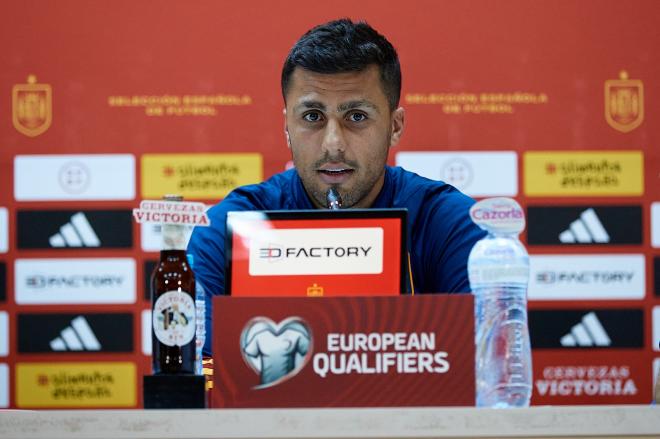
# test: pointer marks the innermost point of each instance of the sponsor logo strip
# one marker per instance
(75, 281)
(3, 282)
(198, 176)
(74, 177)
(595, 377)
(44, 229)
(478, 174)
(71, 385)
(306, 251)
(656, 328)
(584, 225)
(611, 328)
(146, 332)
(4, 385)
(656, 274)
(4, 334)
(75, 333)
(592, 276)
(655, 224)
(4, 230)
(590, 173)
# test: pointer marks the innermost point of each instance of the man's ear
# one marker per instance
(398, 121)
(286, 130)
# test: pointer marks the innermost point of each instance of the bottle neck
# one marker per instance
(173, 237)
(500, 234)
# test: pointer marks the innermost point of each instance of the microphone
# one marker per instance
(333, 199)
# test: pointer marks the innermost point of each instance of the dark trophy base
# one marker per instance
(174, 391)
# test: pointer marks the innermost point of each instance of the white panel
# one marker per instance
(655, 224)
(656, 328)
(75, 281)
(74, 177)
(4, 334)
(589, 276)
(4, 230)
(4, 385)
(476, 173)
(146, 332)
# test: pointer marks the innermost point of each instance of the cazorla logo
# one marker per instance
(32, 107)
(624, 103)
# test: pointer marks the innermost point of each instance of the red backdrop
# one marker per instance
(165, 77)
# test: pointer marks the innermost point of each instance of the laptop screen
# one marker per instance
(352, 252)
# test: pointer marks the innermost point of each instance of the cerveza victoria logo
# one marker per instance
(592, 329)
(41, 229)
(584, 225)
(356, 250)
(43, 333)
(276, 351)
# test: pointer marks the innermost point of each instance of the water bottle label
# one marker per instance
(173, 318)
(489, 274)
(498, 215)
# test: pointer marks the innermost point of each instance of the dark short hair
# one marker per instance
(342, 46)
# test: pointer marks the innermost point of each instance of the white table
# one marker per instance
(554, 422)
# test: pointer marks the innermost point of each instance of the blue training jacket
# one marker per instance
(440, 231)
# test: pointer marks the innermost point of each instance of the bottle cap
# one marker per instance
(498, 215)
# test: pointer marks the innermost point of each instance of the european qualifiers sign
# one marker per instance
(78, 229)
(62, 333)
(584, 225)
(586, 328)
(394, 351)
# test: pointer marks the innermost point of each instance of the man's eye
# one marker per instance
(357, 117)
(312, 117)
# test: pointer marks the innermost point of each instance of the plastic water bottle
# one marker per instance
(498, 269)
(200, 319)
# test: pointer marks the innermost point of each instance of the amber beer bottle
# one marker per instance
(173, 304)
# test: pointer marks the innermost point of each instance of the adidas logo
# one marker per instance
(586, 229)
(76, 233)
(589, 332)
(77, 337)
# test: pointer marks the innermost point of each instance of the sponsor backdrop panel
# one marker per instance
(4, 230)
(45, 229)
(4, 334)
(574, 138)
(586, 276)
(76, 385)
(3, 282)
(584, 225)
(39, 333)
(4, 385)
(655, 224)
(75, 281)
(585, 328)
(656, 275)
(595, 377)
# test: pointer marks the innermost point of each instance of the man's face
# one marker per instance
(340, 129)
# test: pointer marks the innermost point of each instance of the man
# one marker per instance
(341, 84)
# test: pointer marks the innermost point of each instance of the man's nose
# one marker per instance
(333, 138)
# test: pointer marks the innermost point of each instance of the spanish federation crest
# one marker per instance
(624, 103)
(32, 107)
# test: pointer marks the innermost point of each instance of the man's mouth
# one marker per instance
(335, 175)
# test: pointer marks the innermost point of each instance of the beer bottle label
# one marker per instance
(174, 318)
